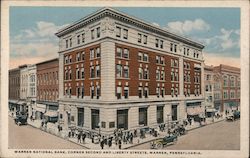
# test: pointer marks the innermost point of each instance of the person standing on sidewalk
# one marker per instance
(102, 144)
(79, 138)
(83, 137)
(120, 143)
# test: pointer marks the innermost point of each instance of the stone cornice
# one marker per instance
(109, 12)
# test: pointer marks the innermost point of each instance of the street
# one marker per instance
(219, 136)
(28, 137)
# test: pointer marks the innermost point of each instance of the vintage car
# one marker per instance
(160, 143)
(21, 119)
(235, 115)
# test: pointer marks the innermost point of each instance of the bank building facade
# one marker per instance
(117, 71)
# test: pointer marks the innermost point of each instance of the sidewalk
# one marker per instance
(136, 141)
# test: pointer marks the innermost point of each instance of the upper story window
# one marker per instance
(174, 63)
(225, 81)
(92, 34)
(83, 37)
(78, 58)
(157, 43)
(160, 60)
(145, 57)
(78, 39)
(98, 52)
(92, 54)
(83, 55)
(125, 33)
(173, 47)
(145, 39)
(118, 52)
(118, 31)
(126, 53)
(98, 71)
(70, 42)
(161, 43)
(98, 32)
(67, 44)
(139, 38)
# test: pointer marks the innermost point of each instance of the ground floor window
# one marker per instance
(122, 119)
(159, 114)
(143, 115)
(95, 118)
(174, 112)
(80, 118)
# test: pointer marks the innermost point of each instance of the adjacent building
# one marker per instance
(116, 71)
(14, 89)
(229, 88)
(47, 91)
(23, 88)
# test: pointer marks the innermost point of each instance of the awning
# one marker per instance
(211, 110)
(232, 104)
(195, 110)
(13, 101)
(39, 109)
(21, 102)
(51, 114)
(41, 106)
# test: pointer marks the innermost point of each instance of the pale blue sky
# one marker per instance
(31, 28)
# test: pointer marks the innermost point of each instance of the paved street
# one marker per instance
(219, 136)
(27, 137)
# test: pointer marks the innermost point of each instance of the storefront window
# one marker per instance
(159, 114)
(122, 119)
(80, 117)
(143, 116)
(95, 119)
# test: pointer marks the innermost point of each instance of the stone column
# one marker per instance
(108, 70)
(60, 75)
(181, 85)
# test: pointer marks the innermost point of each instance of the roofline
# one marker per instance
(50, 60)
(109, 11)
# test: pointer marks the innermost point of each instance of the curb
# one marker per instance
(58, 136)
(143, 143)
(205, 125)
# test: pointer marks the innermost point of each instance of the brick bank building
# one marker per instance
(117, 71)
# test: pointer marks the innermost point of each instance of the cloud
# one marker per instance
(156, 24)
(188, 26)
(227, 41)
(215, 59)
(34, 44)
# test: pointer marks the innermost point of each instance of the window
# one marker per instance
(92, 72)
(77, 73)
(157, 58)
(83, 37)
(98, 33)
(162, 61)
(225, 95)
(225, 81)
(98, 71)
(78, 39)
(83, 55)
(161, 43)
(146, 74)
(194, 55)
(77, 92)
(232, 94)
(145, 39)
(78, 57)
(175, 48)
(139, 38)
(98, 52)
(162, 75)
(156, 43)
(158, 92)
(140, 92)
(162, 92)
(143, 116)
(118, 92)
(159, 114)
(82, 72)
(70, 42)
(70, 74)
(92, 92)
(232, 81)
(126, 72)
(118, 31)
(157, 75)
(80, 116)
(92, 54)
(65, 59)
(145, 57)
(146, 92)
(126, 92)
(140, 56)
(126, 53)
(92, 34)
(82, 91)
(67, 44)
(118, 70)
(171, 47)
(98, 92)
(125, 33)
(184, 51)
(118, 52)
(140, 73)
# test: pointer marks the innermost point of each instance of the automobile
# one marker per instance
(21, 119)
(180, 130)
(235, 115)
(160, 143)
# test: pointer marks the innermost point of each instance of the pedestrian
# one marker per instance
(69, 135)
(102, 144)
(120, 143)
(131, 138)
(135, 133)
(79, 138)
(92, 138)
(83, 137)
(110, 142)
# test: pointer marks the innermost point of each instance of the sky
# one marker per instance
(32, 30)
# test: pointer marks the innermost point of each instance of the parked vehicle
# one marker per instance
(180, 130)
(160, 143)
(235, 115)
(21, 118)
